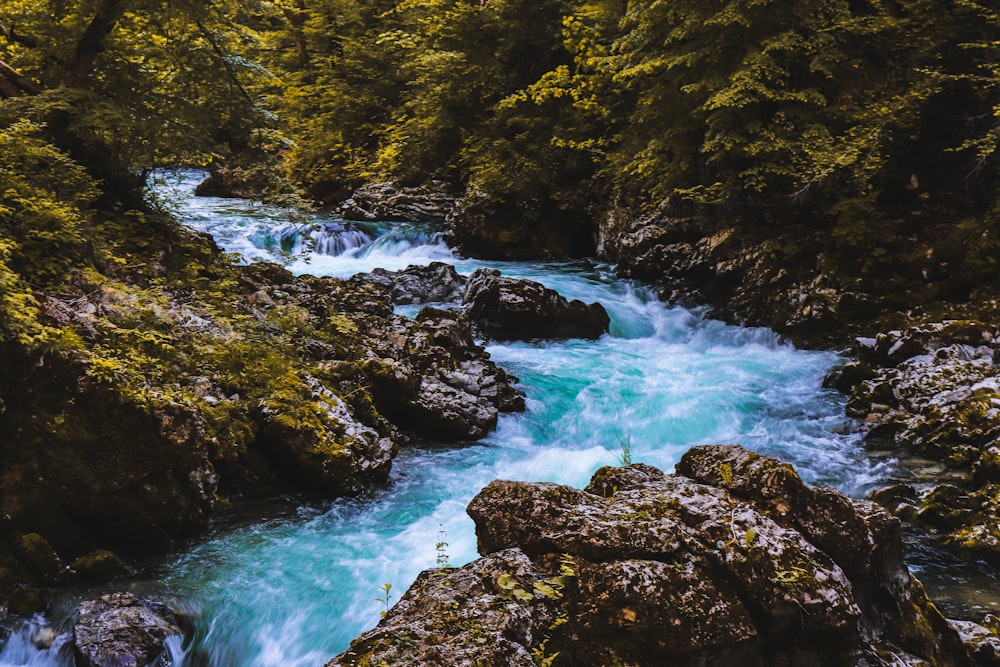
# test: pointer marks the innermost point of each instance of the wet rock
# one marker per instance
(849, 376)
(935, 393)
(986, 469)
(123, 630)
(975, 529)
(512, 309)
(434, 379)
(507, 228)
(39, 558)
(27, 600)
(390, 201)
(982, 643)
(233, 183)
(313, 435)
(436, 283)
(899, 499)
(773, 275)
(733, 560)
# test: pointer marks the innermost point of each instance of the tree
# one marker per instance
(127, 86)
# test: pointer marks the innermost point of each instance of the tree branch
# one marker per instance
(11, 36)
(15, 84)
(223, 56)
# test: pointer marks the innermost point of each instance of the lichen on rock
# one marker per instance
(933, 391)
(733, 560)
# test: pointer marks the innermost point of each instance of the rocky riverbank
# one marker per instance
(733, 560)
(922, 340)
(186, 381)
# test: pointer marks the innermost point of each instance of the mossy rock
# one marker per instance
(27, 600)
(986, 469)
(39, 558)
(100, 565)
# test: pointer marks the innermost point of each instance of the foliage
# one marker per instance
(132, 85)
(441, 559)
(385, 598)
(625, 449)
(847, 115)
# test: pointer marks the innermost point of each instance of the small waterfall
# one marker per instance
(335, 239)
(323, 238)
(37, 644)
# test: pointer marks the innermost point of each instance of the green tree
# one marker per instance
(127, 86)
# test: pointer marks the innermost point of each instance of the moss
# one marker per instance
(99, 565)
(27, 600)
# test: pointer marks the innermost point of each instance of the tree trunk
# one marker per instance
(297, 19)
(15, 84)
(92, 42)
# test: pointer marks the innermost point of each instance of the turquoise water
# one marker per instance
(294, 585)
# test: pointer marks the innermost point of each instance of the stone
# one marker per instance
(983, 644)
(732, 560)
(232, 183)
(986, 469)
(27, 600)
(432, 378)
(508, 227)
(931, 394)
(435, 283)
(39, 558)
(123, 630)
(432, 202)
(312, 434)
(512, 309)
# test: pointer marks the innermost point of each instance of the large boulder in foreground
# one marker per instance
(731, 561)
(122, 630)
(511, 309)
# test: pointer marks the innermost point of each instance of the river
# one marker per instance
(290, 584)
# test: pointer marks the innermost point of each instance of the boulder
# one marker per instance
(501, 307)
(122, 630)
(100, 565)
(512, 309)
(436, 283)
(731, 561)
(432, 378)
(511, 227)
(312, 435)
(232, 183)
(983, 643)
(432, 202)
(39, 558)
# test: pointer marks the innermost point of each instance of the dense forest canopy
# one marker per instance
(856, 108)
(851, 116)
